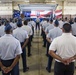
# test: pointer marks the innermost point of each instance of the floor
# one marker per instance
(38, 61)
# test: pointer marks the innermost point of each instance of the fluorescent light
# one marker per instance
(53, 1)
(0, 1)
(26, 0)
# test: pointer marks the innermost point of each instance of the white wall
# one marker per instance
(6, 9)
(70, 8)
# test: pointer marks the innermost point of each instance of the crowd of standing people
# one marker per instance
(59, 38)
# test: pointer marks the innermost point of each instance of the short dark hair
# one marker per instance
(47, 20)
(75, 19)
(56, 23)
(67, 27)
(51, 20)
(15, 20)
(66, 18)
(25, 22)
(19, 24)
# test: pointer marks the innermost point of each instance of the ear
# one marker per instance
(63, 30)
(71, 30)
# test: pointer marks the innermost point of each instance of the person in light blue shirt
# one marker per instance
(74, 27)
(46, 24)
(10, 51)
(53, 33)
(2, 32)
(22, 36)
(48, 28)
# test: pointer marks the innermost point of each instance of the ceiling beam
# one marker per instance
(37, 1)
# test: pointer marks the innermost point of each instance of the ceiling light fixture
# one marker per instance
(0, 1)
(26, 0)
(53, 1)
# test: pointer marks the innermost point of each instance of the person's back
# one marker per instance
(10, 51)
(46, 24)
(48, 28)
(55, 32)
(37, 20)
(65, 47)
(8, 45)
(22, 36)
(29, 31)
(74, 27)
(12, 24)
(61, 23)
(27, 28)
(2, 30)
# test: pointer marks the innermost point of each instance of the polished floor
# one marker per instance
(38, 61)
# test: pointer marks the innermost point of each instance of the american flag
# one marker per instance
(44, 13)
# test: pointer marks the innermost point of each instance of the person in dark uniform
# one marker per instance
(22, 36)
(10, 51)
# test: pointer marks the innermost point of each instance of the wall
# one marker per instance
(70, 8)
(6, 10)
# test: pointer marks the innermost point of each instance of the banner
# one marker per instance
(29, 7)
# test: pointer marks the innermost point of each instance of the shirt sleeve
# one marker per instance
(48, 35)
(18, 49)
(31, 32)
(53, 45)
(46, 30)
(26, 35)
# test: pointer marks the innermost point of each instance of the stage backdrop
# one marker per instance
(40, 10)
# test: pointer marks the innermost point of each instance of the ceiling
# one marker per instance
(36, 1)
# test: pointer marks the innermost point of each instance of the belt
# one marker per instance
(7, 63)
(75, 35)
(62, 63)
(7, 60)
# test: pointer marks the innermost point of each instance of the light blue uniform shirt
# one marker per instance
(2, 30)
(48, 28)
(45, 25)
(9, 47)
(53, 33)
(20, 34)
(74, 28)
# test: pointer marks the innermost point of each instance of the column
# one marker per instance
(62, 9)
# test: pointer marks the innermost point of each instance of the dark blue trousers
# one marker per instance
(7, 63)
(44, 38)
(61, 69)
(50, 59)
(24, 58)
(33, 30)
(29, 46)
(37, 25)
(48, 44)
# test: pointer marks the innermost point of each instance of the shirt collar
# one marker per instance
(19, 27)
(56, 27)
(74, 22)
(8, 34)
(66, 34)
